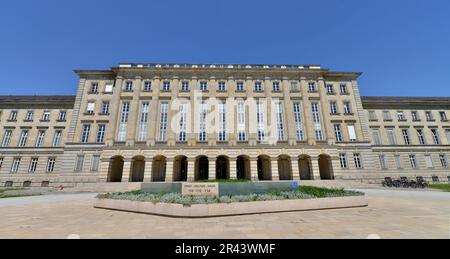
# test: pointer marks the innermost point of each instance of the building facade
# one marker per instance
(169, 122)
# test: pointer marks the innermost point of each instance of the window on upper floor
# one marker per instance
(435, 135)
(62, 116)
(401, 116)
(40, 138)
(85, 133)
(51, 165)
(276, 86)
(443, 116)
(105, 108)
(128, 86)
(222, 86)
(447, 132)
(46, 116)
(203, 86)
(90, 108)
(295, 87)
(6, 138)
(33, 165)
(429, 116)
(333, 108)
(13, 116)
(258, 87)
(101, 131)
(376, 137)
(57, 138)
(166, 86)
(358, 161)
(412, 161)
(415, 116)
(108, 88)
(347, 108)
(312, 87)
(352, 133)
(15, 165)
(147, 86)
(405, 133)
(184, 86)
(343, 88)
(94, 88)
(373, 116)
(29, 116)
(343, 160)
(443, 160)
(240, 87)
(330, 89)
(23, 138)
(421, 137)
(338, 133)
(391, 136)
(387, 116)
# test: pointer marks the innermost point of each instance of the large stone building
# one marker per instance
(168, 122)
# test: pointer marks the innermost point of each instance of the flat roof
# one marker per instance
(37, 101)
(383, 102)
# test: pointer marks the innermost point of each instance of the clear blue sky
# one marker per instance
(403, 47)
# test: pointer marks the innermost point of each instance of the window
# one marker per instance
(46, 116)
(23, 138)
(373, 116)
(108, 88)
(62, 116)
(6, 138)
(29, 116)
(90, 108)
(333, 108)
(222, 87)
(330, 89)
(376, 137)
(1, 163)
(95, 163)
(412, 161)
(143, 125)
(51, 165)
(295, 87)
(401, 116)
(338, 132)
(40, 138)
(429, 116)
(57, 138)
(128, 86)
(317, 123)
(435, 135)
(415, 116)
(443, 116)
(382, 162)
(203, 86)
(447, 132)
(94, 88)
(347, 108)
(13, 116)
(387, 116)
(33, 165)
(280, 121)
(240, 87)
(258, 87)
(147, 86)
(298, 122)
(105, 108)
(276, 86)
(260, 120)
(312, 87)
(398, 161)
(15, 165)
(357, 158)
(184, 86)
(101, 133)
(123, 122)
(163, 121)
(79, 162)
(391, 136)
(183, 109)
(166, 86)
(421, 137)
(428, 161)
(352, 133)
(85, 133)
(343, 88)
(405, 134)
(343, 160)
(222, 122)
(241, 121)
(442, 158)
(203, 114)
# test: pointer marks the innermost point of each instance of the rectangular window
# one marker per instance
(294, 87)
(376, 137)
(108, 88)
(105, 108)
(95, 163)
(338, 133)
(184, 86)
(401, 116)
(203, 86)
(1, 163)
(429, 116)
(406, 139)
(143, 122)
(222, 122)
(317, 123)
(51, 165)
(444, 162)
(387, 116)
(260, 120)
(57, 138)
(443, 116)
(203, 114)
(29, 116)
(128, 86)
(276, 86)
(79, 162)
(421, 137)
(258, 87)
(391, 136)
(23, 138)
(147, 86)
(13, 116)
(412, 161)
(415, 116)
(352, 133)
(343, 160)
(447, 132)
(183, 110)
(333, 108)
(298, 122)
(94, 88)
(46, 116)
(357, 158)
(85, 133)
(312, 87)
(101, 131)
(330, 89)
(435, 134)
(240, 87)
(398, 162)
(383, 162)
(280, 121)
(90, 108)
(40, 138)
(33, 165)
(166, 86)
(124, 122)
(62, 116)
(428, 161)
(373, 116)
(344, 89)
(241, 122)
(163, 121)
(222, 87)
(6, 138)
(347, 108)
(15, 165)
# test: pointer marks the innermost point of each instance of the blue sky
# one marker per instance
(403, 47)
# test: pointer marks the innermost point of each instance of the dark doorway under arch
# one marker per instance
(159, 169)
(115, 170)
(325, 168)
(180, 169)
(264, 168)
(201, 168)
(137, 169)
(243, 168)
(222, 168)
(305, 166)
(285, 168)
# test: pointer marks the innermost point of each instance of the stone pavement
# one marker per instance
(391, 214)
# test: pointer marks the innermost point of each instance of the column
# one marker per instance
(169, 169)
(191, 170)
(233, 168)
(308, 120)
(212, 168)
(126, 171)
(254, 168)
(148, 171)
(104, 169)
(295, 168)
(114, 111)
(315, 168)
(275, 173)
(250, 113)
(134, 112)
(325, 112)
(195, 111)
(171, 134)
(289, 114)
(154, 111)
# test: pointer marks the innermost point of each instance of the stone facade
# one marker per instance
(168, 122)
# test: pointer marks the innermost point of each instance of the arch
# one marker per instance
(137, 169)
(285, 168)
(180, 169)
(243, 170)
(115, 170)
(201, 168)
(159, 169)
(27, 184)
(305, 166)
(325, 168)
(264, 168)
(222, 167)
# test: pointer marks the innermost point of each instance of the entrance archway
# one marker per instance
(325, 168)
(264, 168)
(243, 168)
(285, 168)
(222, 168)
(201, 168)
(115, 170)
(304, 164)
(159, 169)
(137, 169)
(180, 169)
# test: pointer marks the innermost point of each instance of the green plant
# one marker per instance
(443, 187)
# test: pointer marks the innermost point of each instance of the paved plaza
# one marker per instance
(391, 214)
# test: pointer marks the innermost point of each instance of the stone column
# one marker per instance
(114, 112)
(104, 169)
(254, 168)
(328, 129)
(295, 168)
(275, 173)
(148, 171)
(171, 133)
(233, 168)
(126, 171)
(308, 120)
(134, 114)
(315, 168)
(191, 170)
(212, 168)
(289, 114)
(154, 111)
(169, 170)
